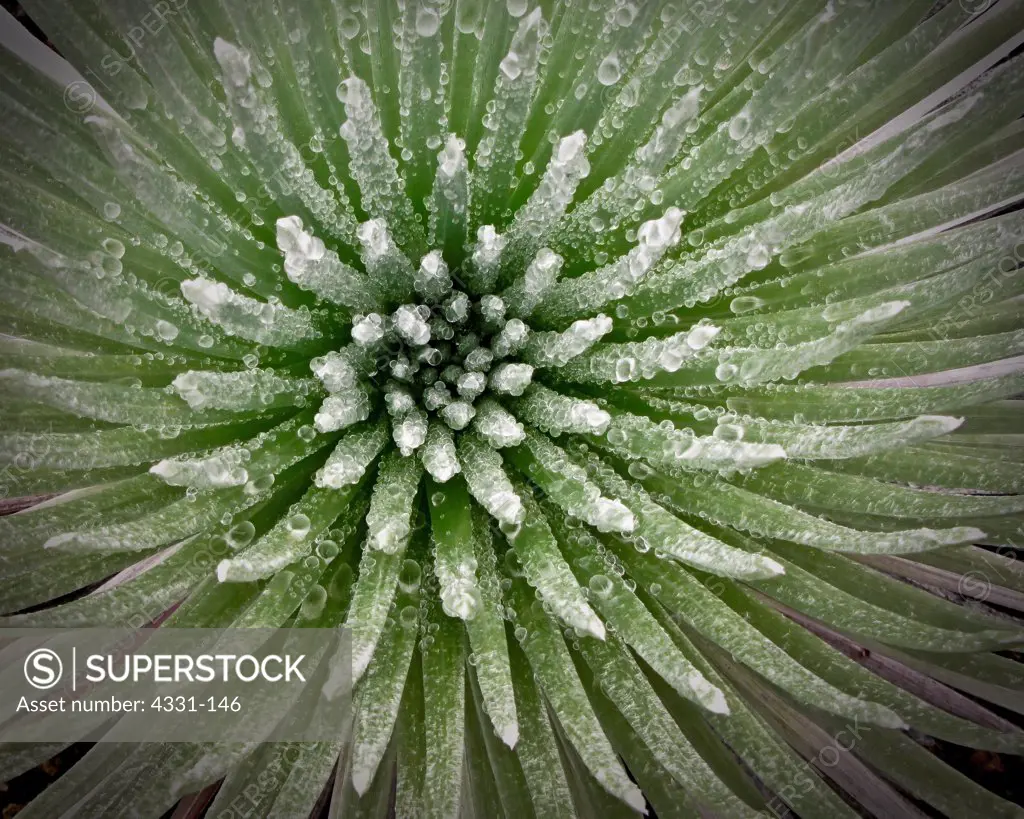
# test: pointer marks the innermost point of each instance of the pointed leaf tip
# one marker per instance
(510, 735)
(361, 781)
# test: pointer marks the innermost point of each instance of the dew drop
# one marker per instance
(298, 526)
(610, 71)
(408, 616)
(240, 535)
(739, 126)
(600, 585)
(409, 576)
(166, 330)
(327, 549)
(427, 22)
(744, 304)
(349, 27)
(260, 484)
(114, 247)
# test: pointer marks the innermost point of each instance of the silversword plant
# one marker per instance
(633, 380)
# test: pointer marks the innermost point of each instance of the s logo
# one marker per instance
(43, 668)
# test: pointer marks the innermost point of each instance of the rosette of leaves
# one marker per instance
(634, 380)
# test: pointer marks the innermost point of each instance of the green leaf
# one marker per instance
(705, 607)
(551, 663)
(444, 695)
(381, 693)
